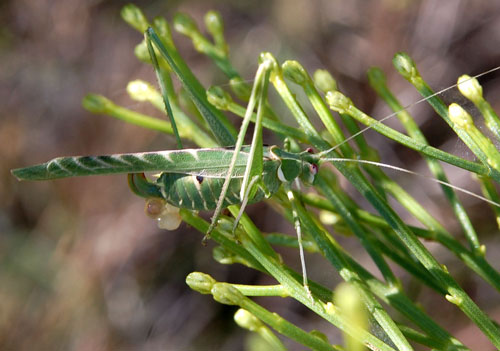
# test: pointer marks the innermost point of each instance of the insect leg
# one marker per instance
(244, 202)
(298, 229)
(253, 167)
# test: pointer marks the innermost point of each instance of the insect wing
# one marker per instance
(204, 162)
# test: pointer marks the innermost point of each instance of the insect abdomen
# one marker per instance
(195, 192)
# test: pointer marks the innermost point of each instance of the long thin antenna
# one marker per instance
(403, 109)
(404, 170)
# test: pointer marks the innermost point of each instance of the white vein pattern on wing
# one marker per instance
(172, 186)
(188, 196)
(209, 184)
(98, 159)
(194, 153)
(163, 190)
(192, 203)
(165, 155)
(207, 169)
(76, 161)
(229, 201)
(236, 196)
(120, 159)
(197, 185)
(140, 156)
(55, 162)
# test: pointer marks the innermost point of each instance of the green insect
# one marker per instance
(212, 178)
(198, 179)
(190, 178)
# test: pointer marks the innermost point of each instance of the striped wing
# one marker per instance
(204, 162)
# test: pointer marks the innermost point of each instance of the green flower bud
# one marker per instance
(456, 300)
(329, 218)
(443, 266)
(163, 30)
(200, 282)
(184, 24)
(214, 23)
(338, 101)
(219, 98)
(223, 256)
(240, 88)
(459, 116)
(405, 65)
(294, 71)
(247, 320)
(227, 294)
(269, 59)
(134, 16)
(142, 53)
(481, 251)
(470, 88)
(140, 90)
(324, 80)
(97, 103)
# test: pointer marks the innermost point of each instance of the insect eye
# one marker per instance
(199, 179)
(310, 150)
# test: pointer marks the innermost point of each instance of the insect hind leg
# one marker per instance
(298, 229)
(244, 202)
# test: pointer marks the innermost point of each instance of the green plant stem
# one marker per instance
(294, 71)
(269, 123)
(285, 240)
(342, 104)
(300, 294)
(262, 290)
(331, 252)
(290, 101)
(407, 68)
(202, 226)
(399, 253)
(140, 91)
(99, 104)
(248, 321)
(423, 339)
(225, 132)
(161, 82)
(289, 280)
(377, 81)
(184, 24)
(456, 294)
(395, 255)
(475, 262)
(490, 117)
(490, 192)
(227, 294)
(388, 294)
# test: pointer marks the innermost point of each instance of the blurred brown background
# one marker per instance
(82, 268)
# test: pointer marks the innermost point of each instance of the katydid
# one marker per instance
(207, 179)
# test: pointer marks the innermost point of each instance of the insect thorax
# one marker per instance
(302, 165)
